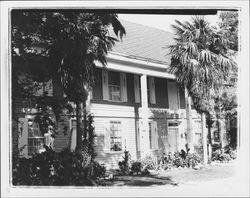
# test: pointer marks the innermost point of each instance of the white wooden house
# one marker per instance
(136, 104)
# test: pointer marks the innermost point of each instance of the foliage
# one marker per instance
(199, 60)
(129, 167)
(136, 168)
(218, 155)
(149, 163)
(125, 164)
(60, 169)
(179, 159)
(62, 46)
(88, 138)
(193, 159)
(229, 26)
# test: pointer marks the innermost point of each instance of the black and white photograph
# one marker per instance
(124, 99)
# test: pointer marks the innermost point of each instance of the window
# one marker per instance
(115, 136)
(150, 135)
(35, 138)
(114, 86)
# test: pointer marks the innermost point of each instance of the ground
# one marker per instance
(211, 180)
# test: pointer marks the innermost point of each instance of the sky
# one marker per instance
(162, 22)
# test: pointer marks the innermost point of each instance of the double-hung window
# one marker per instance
(114, 86)
(115, 136)
(35, 138)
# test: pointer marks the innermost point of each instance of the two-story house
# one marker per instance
(136, 104)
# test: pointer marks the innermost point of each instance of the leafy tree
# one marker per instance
(200, 61)
(229, 26)
(69, 42)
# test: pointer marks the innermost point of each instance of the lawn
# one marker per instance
(178, 176)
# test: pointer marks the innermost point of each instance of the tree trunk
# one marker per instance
(84, 121)
(204, 138)
(209, 124)
(222, 129)
(190, 144)
(78, 127)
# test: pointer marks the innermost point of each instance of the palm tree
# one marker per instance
(200, 63)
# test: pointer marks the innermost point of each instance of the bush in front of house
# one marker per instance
(224, 157)
(129, 167)
(179, 160)
(137, 168)
(57, 169)
(125, 164)
(149, 163)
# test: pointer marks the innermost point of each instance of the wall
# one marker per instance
(103, 114)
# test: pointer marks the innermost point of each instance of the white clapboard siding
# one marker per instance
(105, 86)
(23, 136)
(112, 110)
(137, 88)
(102, 131)
(173, 96)
(152, 90)
(123, 83)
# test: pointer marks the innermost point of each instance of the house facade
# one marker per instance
(136, 104)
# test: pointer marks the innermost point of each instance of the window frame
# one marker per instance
(120, 88)
(34, 138)
(121, 137)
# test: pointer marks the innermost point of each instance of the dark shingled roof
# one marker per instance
(143, 42)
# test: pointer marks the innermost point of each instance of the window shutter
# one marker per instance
(125, 138)
(137, 88)
(23, 136)
(106, 136)
(49, 88)
(91, 94)
(155, 131)
(173, 96)
(47, 139)
(105, 86)
(152, 90)
(138, 143)
(73, 139)
(154, 135)
(123, 83)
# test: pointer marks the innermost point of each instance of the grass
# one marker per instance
(180, 176)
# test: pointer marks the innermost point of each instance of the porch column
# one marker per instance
(90, 96)
(144, 115)
(190, 135)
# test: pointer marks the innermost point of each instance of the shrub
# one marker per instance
(218, 155)
(51, 168)
(193, 159)
(124, 165)
(179, 159)
(149, 163)
(136, 168)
